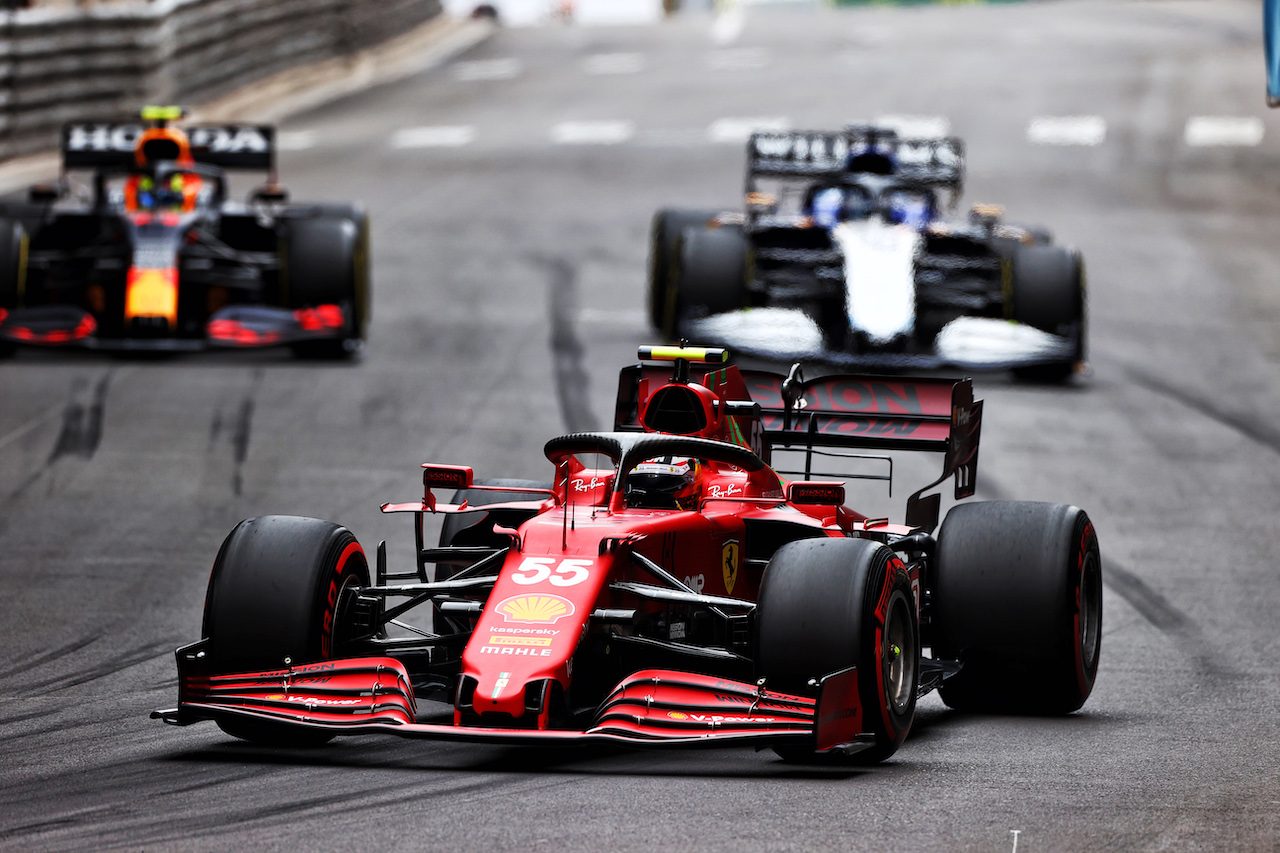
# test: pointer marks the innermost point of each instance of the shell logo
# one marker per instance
(535, 609)
(677, 715)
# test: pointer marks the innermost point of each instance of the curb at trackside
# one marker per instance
(298, 89)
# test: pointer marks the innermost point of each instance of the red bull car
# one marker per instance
(154, 255)
(668, 587)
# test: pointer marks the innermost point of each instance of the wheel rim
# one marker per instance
(1090, 611)
(899, 655)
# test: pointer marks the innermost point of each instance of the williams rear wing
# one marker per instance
(825, 154)
(108, 145)
(879, 413)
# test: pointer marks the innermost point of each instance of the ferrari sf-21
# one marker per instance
(668, 587)
(155, 256)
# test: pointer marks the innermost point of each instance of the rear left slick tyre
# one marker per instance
(1018, 600)
(828, 604)
(277, 597)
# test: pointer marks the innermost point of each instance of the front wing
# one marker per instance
(234, 327)
(653, 708)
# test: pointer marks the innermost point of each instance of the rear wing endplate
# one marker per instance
(877, 412)
(106, 144)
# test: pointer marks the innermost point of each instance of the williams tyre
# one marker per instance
(1049, 294)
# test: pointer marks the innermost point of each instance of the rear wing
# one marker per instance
(826, 154)
(879, 413)
(107, 145)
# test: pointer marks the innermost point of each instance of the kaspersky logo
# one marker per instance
(536, 609)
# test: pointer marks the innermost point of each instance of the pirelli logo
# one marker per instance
(519, 641)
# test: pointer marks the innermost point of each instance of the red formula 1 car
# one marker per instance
(668, 588)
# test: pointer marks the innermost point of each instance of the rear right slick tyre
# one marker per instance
(1048, 294)
(828, 604)
(1018, 600)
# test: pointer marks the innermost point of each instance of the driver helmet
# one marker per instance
(162, 143)
(913, 209)
(153, 194)
(828, 204)
(666, 482)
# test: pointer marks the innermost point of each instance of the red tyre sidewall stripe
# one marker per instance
(891, 570)
(1086, 535)
(331, 597)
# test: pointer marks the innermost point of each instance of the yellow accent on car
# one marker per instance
(152, 112)
(697, 355)
(152, 293)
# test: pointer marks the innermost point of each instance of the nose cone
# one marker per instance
(535, 617)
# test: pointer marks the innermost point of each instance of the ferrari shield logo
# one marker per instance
(729, 559)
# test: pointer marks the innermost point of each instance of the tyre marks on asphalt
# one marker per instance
(239, 430)
(1254, 428)
(80, 434)
(572, 379)
(100, 669)
(120, 822)
(82, 421)
(29, 662)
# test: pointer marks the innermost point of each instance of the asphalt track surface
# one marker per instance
(508, 280)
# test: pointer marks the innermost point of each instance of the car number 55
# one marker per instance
(538, 569)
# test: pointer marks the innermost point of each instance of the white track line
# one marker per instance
(728, 26)
(614, 63)
(592, 132)
(1067, 130)
(737, 130)
(738, 59)
(1205, 131)
(486, 69)
(437, 136)
(672, 138)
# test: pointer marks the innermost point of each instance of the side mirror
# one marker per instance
(815, 493)
(44, 193)
(446, 476)
(270, 194)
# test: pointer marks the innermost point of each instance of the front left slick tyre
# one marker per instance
(277, 597)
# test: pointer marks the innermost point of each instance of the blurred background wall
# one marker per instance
(75, 59)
